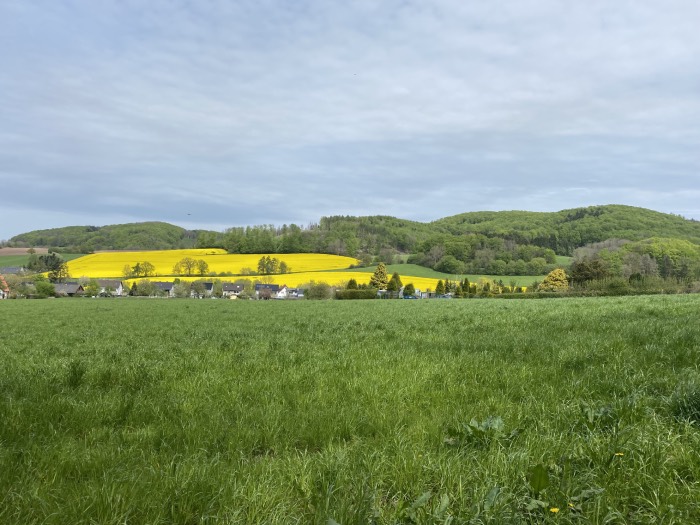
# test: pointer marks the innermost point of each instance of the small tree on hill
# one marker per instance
(394, 284)
(379, 279)
(440, 288)
(352, 285)
(555, 281)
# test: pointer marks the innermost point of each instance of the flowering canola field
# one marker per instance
(111, 264)
(305, 267)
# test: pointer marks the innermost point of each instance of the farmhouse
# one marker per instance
(111, 287)
(232, 290)
(167, 288)
(12, 270)
(68, 289)
(4, 289)
(265, 291)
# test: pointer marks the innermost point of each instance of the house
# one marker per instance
(68, 289)
(232, 290)
(265, 291)
(111, 287)
(165, 288)
(11, 270)
(201, 289)
(295, 293)
(282, 293)
(4, 288)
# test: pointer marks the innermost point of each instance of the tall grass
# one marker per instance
(152, 411)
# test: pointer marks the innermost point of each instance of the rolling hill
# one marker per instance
(561, 231)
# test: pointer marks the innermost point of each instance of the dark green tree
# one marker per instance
(440, 288)
(394, 284)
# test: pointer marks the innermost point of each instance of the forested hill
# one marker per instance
(136, 236)
(561, 232)
(565, 230)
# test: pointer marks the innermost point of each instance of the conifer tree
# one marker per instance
(380, 279)
(395, 283)
(440, 288)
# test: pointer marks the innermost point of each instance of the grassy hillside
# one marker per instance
(21, 260)
(145, 235)
(148, 411)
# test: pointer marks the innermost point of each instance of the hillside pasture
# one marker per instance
(415, 270)
(519, 412)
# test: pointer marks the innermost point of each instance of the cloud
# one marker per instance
(271, 112)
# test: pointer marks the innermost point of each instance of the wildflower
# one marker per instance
(619, 454)
(571, 505)
(554, 510)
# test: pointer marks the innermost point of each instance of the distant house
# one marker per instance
(232, 290)
(266, 291)
(166, 288)
(207, 290)
(68, 289)
(295, 293)
(4, 288)
(11, 270)
(115, 287)
(282, 293)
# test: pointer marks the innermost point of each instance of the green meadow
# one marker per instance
(128, 411)
(406, 271)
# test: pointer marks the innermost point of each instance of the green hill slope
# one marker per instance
(84, 239)
(565, 230)
(561, 232)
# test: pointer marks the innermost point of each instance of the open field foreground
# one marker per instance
(146, 411)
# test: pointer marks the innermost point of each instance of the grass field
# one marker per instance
(429, 273)
(163, 411)
(21, 260)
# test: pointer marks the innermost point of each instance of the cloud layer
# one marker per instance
(215, 114)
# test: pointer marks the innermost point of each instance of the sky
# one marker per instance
(219, 113)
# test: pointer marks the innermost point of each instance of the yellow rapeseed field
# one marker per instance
(111, 264)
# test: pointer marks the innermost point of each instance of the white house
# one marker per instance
(4, 289)
(111, 287)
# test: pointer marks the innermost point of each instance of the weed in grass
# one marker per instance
(75, 373)
(685, 403)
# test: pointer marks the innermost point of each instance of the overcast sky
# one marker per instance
(212, 114)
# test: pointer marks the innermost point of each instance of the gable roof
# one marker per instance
(68, 288)
(271, 287)
(230, 287)
(111, 283)
(165, 286)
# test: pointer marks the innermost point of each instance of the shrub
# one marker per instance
(369, 293)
